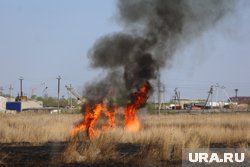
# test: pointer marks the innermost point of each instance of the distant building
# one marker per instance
(3, 101)
(241, 99)
(186, 103)
(24, 105)
(32, 104)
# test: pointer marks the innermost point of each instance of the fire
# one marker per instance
(111, 117)
(97, 111)
(139, 98)
(132, 123)
(88, 121)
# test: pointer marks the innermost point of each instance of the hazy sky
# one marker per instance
(40, 40)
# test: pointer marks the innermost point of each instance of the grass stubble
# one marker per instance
(161, 139)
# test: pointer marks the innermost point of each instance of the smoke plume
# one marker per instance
(152, 31)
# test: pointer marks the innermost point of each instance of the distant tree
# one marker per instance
(52, 102)
(33, 97)
(39, 98)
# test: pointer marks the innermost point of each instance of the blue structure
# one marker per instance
(14, 106)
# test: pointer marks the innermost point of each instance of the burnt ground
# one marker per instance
(25, 154)
(49, 154)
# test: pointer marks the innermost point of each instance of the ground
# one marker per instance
(30, 139)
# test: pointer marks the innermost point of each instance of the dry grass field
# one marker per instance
(161, 138)
(36, 128)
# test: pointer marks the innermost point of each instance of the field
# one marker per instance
(28, 138)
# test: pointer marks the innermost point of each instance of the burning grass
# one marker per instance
(157, 141)
(161, 138)
(92, 112)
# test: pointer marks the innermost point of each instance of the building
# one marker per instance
(241, 99)
(183, 103)
(3, 101)
(30, 104)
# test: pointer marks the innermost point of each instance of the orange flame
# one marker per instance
(97, 111)
(111, 117)
(132, 123)
(88, 122)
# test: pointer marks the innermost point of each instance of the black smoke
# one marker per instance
(153, 31)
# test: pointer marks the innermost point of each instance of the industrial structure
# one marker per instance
(217, 98)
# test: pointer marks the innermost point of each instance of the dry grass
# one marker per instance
(161, 139)
(35, 128)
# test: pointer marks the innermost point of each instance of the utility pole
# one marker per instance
(217, 86)
(21, 86)
(236, 92)
(10, 90)
(228, 98)
(69, 88)
(70, 96)
(74, 93)
(45, 92)
(159, 91)
(1, 91)
(210, 93)
(58, 91)
(163, 92)
(177, 97)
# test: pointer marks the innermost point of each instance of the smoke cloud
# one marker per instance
(153, 31)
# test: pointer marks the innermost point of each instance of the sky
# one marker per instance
(40, 40)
